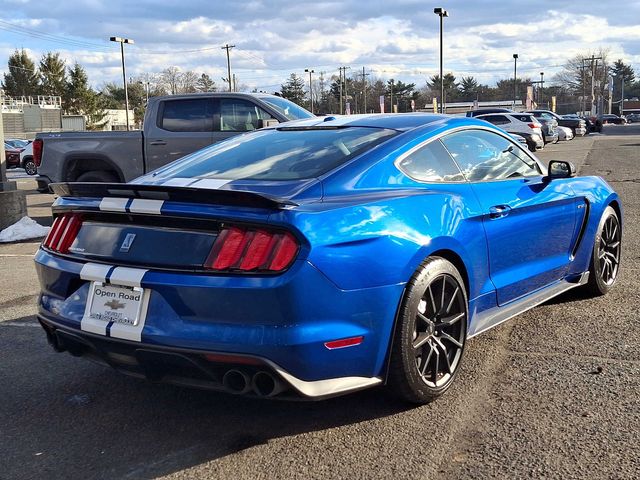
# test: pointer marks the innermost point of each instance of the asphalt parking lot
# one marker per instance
(550, 394)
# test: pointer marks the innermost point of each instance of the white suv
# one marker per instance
(523, 124)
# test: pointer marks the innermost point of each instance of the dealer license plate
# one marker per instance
(113, 303)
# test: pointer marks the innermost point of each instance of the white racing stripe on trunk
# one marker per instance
(142, 205)
(114, 204)
(129, 277)
(94, 272)
(212, 183)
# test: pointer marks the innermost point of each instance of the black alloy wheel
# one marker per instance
(30, 167)
(431, 333)
(607, 248)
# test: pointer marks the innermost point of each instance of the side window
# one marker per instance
(193, 115)
(484, 156)
(501, 120)
(237, 115)
(431, 163)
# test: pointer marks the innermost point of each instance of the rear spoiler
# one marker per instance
(178, 194)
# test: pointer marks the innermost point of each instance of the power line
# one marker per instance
(20, 30)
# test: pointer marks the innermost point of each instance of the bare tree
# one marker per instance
(188, 81)
(171, 79)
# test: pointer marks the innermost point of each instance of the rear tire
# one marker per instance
(605, 259)
(430, 333)
(99, 176)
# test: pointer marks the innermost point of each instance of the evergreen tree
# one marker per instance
(205, 84)
(620, 70)
(450, 86)
(22, 77)
(52, 74)
(293, 89)
(80, 99)
(468, 89)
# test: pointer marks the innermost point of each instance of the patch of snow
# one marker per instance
(23, 229)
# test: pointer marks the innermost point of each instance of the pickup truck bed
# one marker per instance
(174, 126)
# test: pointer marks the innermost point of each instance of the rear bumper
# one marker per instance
(581, 131)
(194, 368)
(283, 320)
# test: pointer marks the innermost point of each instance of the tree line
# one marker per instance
(571, 87)
(52, 76)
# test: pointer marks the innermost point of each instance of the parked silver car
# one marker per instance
(521, 123)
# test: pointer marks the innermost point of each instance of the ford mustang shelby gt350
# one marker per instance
(322, 256)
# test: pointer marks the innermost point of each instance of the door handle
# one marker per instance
(158, 142)
(499, 211)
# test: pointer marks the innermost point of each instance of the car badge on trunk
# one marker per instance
(128, 241)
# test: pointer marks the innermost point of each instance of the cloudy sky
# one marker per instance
(273, 38)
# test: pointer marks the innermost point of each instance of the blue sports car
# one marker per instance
(322, 256)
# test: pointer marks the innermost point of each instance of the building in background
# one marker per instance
(23, 117)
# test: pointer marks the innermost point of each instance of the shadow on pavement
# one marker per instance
(64, 417)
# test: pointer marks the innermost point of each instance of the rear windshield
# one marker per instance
(282, 154)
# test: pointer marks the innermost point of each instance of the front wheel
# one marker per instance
(430, 333)
(30, 166)
(605, 259)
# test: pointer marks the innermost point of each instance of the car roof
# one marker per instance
(395, 121)
(217, 95)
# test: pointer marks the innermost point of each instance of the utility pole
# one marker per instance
(364, 88)
(228, 47)
(594, 70)
(122, 41)
(340, 70)
(622, 97)
(346, 95)
(584, 106)
(343, 88)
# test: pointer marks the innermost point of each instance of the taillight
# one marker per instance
(63, 232)
(252, 249)
(37, 151)
(534, 125)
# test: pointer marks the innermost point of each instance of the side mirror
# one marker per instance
(561, 169)
(269, 122)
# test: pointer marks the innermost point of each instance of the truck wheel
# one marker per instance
(99, 176)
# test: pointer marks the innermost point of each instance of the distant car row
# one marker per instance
(538, 127)
(19, 154)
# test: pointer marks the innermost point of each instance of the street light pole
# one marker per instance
(515, 79)
(122, 41)
(441, 12)
(310, 87)
(541, 87)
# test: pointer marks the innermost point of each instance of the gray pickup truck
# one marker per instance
(173, 127)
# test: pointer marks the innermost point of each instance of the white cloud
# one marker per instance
(274, 38)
